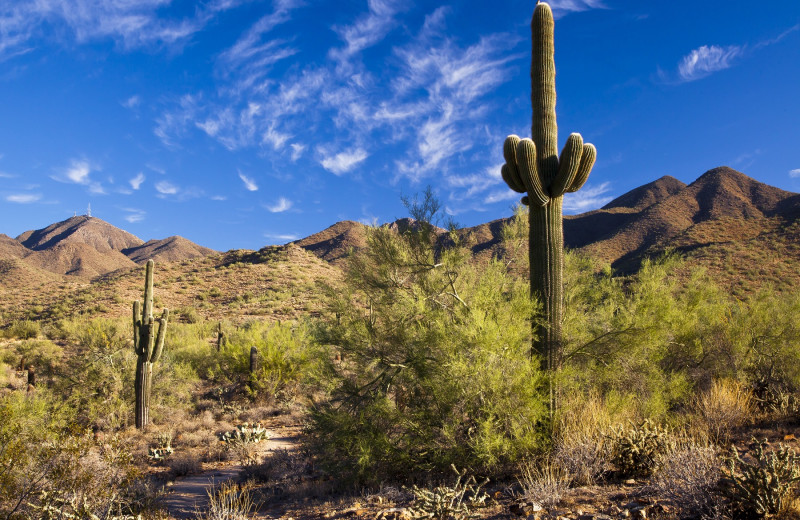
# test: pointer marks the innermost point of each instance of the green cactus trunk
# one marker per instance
(533, 166)
(148, 345)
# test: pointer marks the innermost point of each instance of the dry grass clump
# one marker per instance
(229, 501)
(280, 465)
(688, 477)
(545, 482)
(184, 463)
(579, 446)
(721, 409)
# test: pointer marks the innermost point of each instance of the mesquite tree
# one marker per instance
(534, 166)
(148, 345)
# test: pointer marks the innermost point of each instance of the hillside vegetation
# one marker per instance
(408, 357)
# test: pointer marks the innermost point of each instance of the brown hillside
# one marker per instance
(10, 248)
(78, 259)
(647, 195)
(92, 231)
(172, 249)
(275, 283)
(334, 243)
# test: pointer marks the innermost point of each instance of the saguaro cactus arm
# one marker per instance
(162, 332)
(587, 161)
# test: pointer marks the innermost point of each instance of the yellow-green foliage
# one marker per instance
(435, 365)
(50, 468)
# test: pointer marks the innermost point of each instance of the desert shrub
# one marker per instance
(49, 468)
(285, 359)
(637, 449)
(44, 355)
(764, 486)
(277, 466)
(23, 329)
(544, 482)
(435, 362)
(767, 333)
(579, 445)
(229, 501)
(689, 476)
(185, 463)
(722, 408)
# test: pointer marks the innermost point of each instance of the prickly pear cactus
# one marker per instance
(534, 167)
(148, 343)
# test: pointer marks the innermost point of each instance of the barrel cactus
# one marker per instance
(534, 167)
(148, 344)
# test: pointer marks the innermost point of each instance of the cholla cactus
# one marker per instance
(760, 488)
(245, 434)
(534, 166)
(148, 345)
(636, 450)
(445, 502)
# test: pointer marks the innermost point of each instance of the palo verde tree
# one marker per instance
(148, 344)
(534, 166)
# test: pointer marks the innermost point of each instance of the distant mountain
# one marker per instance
(721, 206)
(10, 248)
(335, 242)
(172, 249)
(88, 247)
(91, 231)
(621, 235)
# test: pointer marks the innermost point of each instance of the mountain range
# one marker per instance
(744, 232)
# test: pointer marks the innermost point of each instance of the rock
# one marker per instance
(394, 513)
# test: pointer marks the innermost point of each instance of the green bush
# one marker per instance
(435, 363)
(49, 468)
(23, 329)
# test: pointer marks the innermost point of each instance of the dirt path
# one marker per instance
(189, 495)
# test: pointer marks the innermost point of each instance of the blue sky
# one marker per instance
(239, 123)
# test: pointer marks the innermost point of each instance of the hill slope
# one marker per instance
(88, 247)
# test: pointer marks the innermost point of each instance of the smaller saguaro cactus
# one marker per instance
(31, 375)
(221, 339)
(148, 343)
(253, 360)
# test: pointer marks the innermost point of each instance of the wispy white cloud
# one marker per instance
(501, 195)
(368, 29)
(281, 237)
(130, 24)
(343, 162)
(707, 59)
(794, 174)
(24, 198)
(132, 102)
(588, 198)
(297, 150)
(468, 186)
(137, 181)
(166, 188)
(78, 172)
(249, 183)
(134, 215)
(564, 7)
(173, 124)
(6, 175)
(282, 205)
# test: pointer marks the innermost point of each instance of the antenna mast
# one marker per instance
(89, 210)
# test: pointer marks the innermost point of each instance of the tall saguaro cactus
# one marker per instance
(148, 344)
(534, 166)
